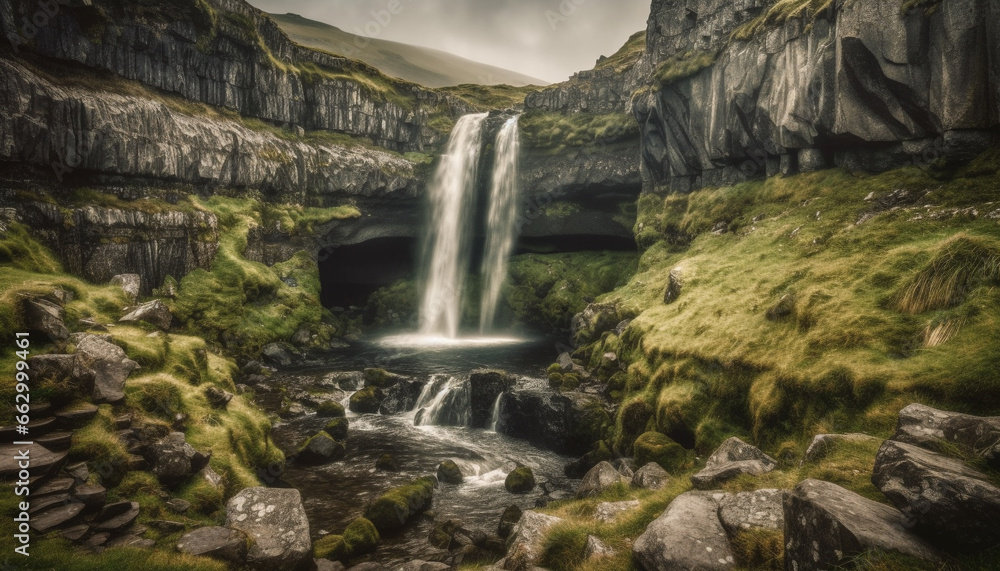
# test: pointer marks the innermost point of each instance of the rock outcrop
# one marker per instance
(926, 427)
(687, 535)
(565, 422)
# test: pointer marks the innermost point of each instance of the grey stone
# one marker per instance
(733, 458)
(419, 565)
(565, 362)
(45, 318)
(56, 517)
(327, 565)
(943, 496)
(652, 476)
(118, 516)
(525, 542)
(174, 460)
(43, 460)
(760, 509)
(153, 312)
(565, 422)
(92, 495)
(687, 535)
(276, 354)
(216, 542)
(275, 521)
(111, 368)
(320, 449)
(674, 286)
(822, 443)
(609, 511)
(824, 524)
(925, 426)
(177, 505)
(131, 285)
(596, 548)
(598, 479)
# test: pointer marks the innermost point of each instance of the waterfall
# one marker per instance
(495, 413)
(444, 401)
(449, 236)
(501, 221)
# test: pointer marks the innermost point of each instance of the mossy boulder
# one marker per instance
(449, 472)
(508, 520)
(337, 428)
(381, 378)
(393, 509)
(331, 547)
(660, 448)
(361, 537)
(520, 480)
(367, 400)
(320, 449)
(579, 468)
(331, 409)
(387, 462)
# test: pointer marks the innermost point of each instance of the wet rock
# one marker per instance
(449, 472)
(520, 480)
(442, 534)
(508, 520)
(117, 516)
(944, 497)
(276, 354)
(111, 368)
(131, 285)
(823, 443)
(320, 449)
(824, 524)
(925, 426)
(331, 409)
(596, 548)
(154, 312)
(387, 462)
(598, 479)
(485, 386)
(338, 428)
(367, 400)
(651, 477)
(687, 535)
(760, 509)
(525, 542)
(216, 542)
(567, 422)
(733, 458)
(45, 319)
(401, 397)
(609, 511)
(394, 508)
(346, 381)
(276, 523)
(174, 460)
(381, 378)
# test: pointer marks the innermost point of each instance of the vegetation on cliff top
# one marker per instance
(555, 131)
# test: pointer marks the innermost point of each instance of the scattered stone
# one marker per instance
(55, 486)
(76, 532)
(320, 449)
(55, 368)
(588, 325)
(651, 477)
(598, 479)
(823, 443)
(91, 494)
(527, 537)
(77, 416)
(174, 460)
(520, 480)
(45, 318)
(167, 526)
(111, 368)
(760, 509)
(449, 472)
(565, 362)
(56, 517)
(387, 462)
(178, 505)
(276, 523)
(508, 520)
(596, 548)
(131, 285)
(609, 511)
(733, 458)
(80, 471)
(43, 460)
(117, 516)
(674, 285)
(824, 524)
(216, 542)
(442, 534)
(687, 535)
(942, 495)
(925, 426)
(276, 354)
(154, 312)
(485, 386)
(217, 397)
(327, 565)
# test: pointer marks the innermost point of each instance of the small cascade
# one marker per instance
(444, 401)
(495, 413)
(501, 221)
(448, 240)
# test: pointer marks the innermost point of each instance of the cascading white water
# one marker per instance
(495, 413)
(501, 221)
(447, 247)
(444, 401)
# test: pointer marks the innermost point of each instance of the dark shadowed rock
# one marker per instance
(568, 422)
(944, 497)
(56, 368)
(598, 479)
(276, 523)
(824, 524)
(154, 312)
(367, 400)
(111, 367)
(449, 472)
(925, 426)
(651, 476)
(674, 285)
(760, 509)
(216, 542)
(174, 460)
(276, 354)
(588, 325)
(217, 397)
(320, 449)
(45, 319)
(117, 516)
(822, 444)
(485, 386)
(401, 397)
(381, 378)
(687, 535)
(733, 458)
(508, 520)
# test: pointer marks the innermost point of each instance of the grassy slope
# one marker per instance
(425, 66)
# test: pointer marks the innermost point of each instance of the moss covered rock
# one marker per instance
(659, 448)
(320, 449)
(449, 472)
(331, 547)
(367, 400)
(381, 378)
(331, 409)
(392, 510)
(337, 428)
(361, 537)
(520, 480)
(387, 462)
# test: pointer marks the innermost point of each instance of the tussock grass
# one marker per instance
(779, 13)
(556, 131)
(962, 264)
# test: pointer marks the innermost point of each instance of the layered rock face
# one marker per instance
(859, 84)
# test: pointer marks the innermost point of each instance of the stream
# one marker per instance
(336, 493)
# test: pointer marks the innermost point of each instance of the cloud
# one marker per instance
(547, 39)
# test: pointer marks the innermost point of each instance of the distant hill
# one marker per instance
(431, 68)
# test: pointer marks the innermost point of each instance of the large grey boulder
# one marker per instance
(174, 460)
(760, 509)
(153, 312)
(943, 496)
(44, 318)
(525, 543)
(598, 479)
(275, 521)
(926, 426)
(686, 536)
(131, 285)
(217, 542)
(652, 476)
(825, 524)
(111, 367)
(733, 458)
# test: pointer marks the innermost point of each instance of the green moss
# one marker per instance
(554, 131)
(337, 428)
(331, 547)
(784, 10)
(682, 66)
(361, 537)
(331, 408)
(520, 480)
(627, 56)
(483, 98)
(392, 509)
(367, 400)
(659, 448)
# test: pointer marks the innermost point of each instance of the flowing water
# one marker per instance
(336, 493)
(501, 221)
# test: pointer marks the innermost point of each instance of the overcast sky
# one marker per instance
(546, 39)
